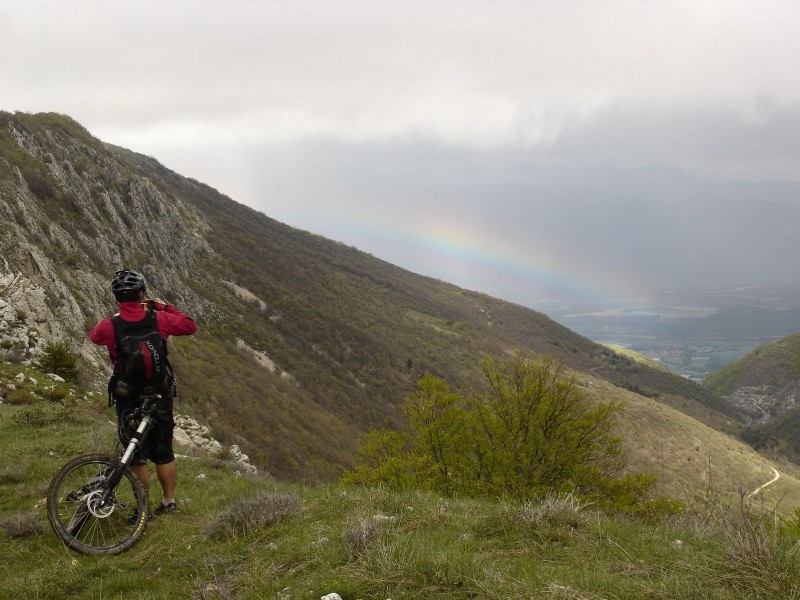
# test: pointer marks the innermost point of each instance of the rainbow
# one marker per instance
(468, 257)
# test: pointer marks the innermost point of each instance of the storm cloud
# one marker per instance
(383, 124)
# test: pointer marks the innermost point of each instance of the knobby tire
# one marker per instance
(76, 517)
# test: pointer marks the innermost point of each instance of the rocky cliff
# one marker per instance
(765, 383)
(72, 214)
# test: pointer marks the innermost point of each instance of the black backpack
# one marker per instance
(142, 367)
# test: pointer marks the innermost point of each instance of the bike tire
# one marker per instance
(77, 519)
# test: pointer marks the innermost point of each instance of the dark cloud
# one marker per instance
(511, 128)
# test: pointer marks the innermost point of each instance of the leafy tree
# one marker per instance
(383, 459)
(530, 430)
(438, 419)
(58, 358)
(535, 429)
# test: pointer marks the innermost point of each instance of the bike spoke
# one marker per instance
(79, 517)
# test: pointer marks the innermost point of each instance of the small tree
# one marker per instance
(531, 430)
(437, 418)
(535, 429)
(58, 358)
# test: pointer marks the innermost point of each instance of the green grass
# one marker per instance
(239, 536)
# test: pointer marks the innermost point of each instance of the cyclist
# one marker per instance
(129, 290)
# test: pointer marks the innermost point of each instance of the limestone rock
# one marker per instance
(192, 435)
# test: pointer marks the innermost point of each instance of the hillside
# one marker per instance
(241, 535)
(305, 343)
(765, 385)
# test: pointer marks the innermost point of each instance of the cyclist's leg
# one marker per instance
(166, 475)
(159, 447)
(142, 473)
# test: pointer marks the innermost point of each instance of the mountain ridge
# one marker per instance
(347, 334)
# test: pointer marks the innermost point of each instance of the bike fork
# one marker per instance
(124, 461)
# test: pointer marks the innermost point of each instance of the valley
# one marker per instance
(690, 332)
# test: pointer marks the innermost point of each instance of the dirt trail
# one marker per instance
(770, 482)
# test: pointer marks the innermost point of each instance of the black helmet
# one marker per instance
(127, 281)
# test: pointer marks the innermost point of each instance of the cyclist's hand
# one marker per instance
(156, 305)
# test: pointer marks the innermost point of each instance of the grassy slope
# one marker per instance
(771, 370)
(689, 457)
(421, 546)
(776, 365)
(352, 332)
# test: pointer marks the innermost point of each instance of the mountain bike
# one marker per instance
(96, 503)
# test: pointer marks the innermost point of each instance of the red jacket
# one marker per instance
(170, 320)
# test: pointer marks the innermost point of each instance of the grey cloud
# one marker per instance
(505, 120)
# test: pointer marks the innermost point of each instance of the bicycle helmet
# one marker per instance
(127, 281)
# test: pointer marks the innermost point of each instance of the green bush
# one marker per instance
(21, 396)
(529, 431)
(41, 414)
(58, 358)
(54, 394)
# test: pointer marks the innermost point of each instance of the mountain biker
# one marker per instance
(129, 290)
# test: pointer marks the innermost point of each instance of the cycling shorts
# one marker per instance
(157, 444)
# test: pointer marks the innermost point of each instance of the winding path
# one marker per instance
(770, 482)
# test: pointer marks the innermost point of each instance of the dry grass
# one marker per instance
(250, 514)
(564, 509)
(360, 537)
(22, 525)
(763, 557)
(688, 456)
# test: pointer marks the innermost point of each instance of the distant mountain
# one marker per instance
(765, 383)
(304, 343)
(601, 231)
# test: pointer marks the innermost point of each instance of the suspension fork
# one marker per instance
(124, 461)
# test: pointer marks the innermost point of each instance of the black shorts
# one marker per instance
(157, 445)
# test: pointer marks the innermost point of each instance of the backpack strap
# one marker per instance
(119, 323)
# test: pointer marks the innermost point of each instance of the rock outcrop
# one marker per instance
(191, 435)
(71, 218)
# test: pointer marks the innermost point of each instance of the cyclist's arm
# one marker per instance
(102, 334)
(172, 321)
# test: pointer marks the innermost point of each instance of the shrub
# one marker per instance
(250, 514)
(22, 525)
(58, 358)
(21, 396)
(41, 414)
(530, 430)
(54, 394)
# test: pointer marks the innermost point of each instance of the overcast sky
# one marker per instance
(330, 116)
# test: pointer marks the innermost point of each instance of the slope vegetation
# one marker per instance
(239, 535)
(765, 383)
(304, 344)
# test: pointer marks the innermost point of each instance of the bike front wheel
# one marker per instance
(87, 516)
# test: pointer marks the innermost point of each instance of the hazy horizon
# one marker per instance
(519, 149)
